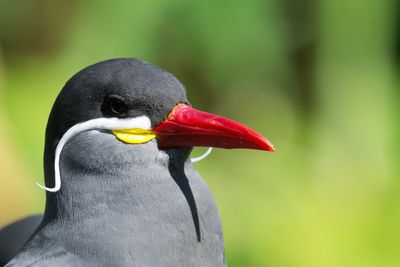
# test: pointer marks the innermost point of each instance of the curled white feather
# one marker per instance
(142, 122)
(201, 157)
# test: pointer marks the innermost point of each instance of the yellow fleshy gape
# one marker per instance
(134, 136)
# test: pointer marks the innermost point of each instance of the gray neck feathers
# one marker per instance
(132, 204)
(100, 175)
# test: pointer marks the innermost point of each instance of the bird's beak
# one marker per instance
(186, 126)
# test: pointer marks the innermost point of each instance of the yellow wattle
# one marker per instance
(134, 136)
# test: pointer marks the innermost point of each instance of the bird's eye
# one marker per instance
(114, 105)
(117, 106)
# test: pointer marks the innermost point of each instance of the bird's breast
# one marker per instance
(138, 209)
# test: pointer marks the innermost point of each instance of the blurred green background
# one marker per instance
(320, 79)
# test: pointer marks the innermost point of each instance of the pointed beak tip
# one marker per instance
(267, 146)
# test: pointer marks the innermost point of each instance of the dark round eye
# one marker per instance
(117, 106)
(114, 105)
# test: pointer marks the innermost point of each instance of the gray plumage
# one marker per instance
(14, 236)
(121, 204)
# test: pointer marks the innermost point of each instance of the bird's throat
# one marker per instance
(133, 197)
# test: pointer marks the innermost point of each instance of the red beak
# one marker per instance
(186, 126)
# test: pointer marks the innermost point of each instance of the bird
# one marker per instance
(121, 189)
(15, 235)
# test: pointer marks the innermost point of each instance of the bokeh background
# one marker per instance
(320, 79)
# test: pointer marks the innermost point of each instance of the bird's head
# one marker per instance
(136, 103)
